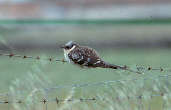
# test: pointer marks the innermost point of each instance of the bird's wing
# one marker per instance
(84, 56)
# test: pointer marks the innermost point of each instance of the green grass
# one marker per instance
(22, 77)
(85, 21)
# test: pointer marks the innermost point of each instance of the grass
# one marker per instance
(26, 79)
(85, 21)
(23, 77)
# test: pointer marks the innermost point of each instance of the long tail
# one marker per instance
(103, 64)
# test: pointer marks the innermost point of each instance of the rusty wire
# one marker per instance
(91, 99)
(138, 69)
(95, 98)
(31, 57)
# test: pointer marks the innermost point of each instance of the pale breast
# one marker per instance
(66, 52)
(66, 56)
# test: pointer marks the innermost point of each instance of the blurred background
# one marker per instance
(124, 32)
(41, 24)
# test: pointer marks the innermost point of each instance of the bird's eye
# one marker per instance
(67, 47)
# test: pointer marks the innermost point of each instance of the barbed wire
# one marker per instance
(56, 99)
(95, 98)
(138, 69)
(84, 99)
(90, 99)
(30, 57)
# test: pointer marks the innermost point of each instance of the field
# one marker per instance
(33, 81)
(31, 84)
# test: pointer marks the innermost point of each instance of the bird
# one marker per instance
(85, 56)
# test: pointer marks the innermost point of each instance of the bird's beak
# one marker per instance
(62, 46)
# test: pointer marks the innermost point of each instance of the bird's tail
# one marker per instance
(112, 66)
(103, 64)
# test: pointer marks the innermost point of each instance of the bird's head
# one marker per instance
(70, 45)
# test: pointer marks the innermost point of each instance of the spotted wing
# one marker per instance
(84, 56)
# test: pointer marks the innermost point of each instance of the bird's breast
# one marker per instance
(66, 55)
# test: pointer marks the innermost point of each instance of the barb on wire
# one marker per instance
(56, 99)
(138, 69)
(93, 99)
(149, 68)
(81, 100)
(31, 57)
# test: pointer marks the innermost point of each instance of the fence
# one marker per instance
(46, 102)
(111, 93)
(139, 69)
